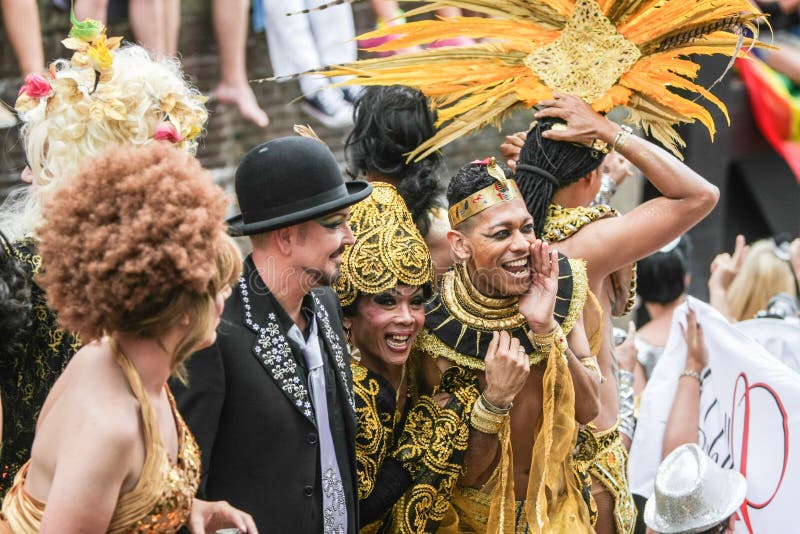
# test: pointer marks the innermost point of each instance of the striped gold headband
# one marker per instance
(501, 190)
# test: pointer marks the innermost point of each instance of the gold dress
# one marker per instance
(458, 326)
(161, 500)
(601, 453)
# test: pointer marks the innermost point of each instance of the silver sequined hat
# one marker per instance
(692, 493)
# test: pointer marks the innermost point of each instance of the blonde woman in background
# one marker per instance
(742, 284)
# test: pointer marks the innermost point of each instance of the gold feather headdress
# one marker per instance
(632, 53)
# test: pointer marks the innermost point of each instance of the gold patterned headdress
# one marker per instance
(388, 250)
(632, 53)
(501, 190)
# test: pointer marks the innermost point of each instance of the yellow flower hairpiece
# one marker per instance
(93, 59)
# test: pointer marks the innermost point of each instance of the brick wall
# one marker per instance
(228, 136)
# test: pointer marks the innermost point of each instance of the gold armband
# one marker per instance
(591, 364)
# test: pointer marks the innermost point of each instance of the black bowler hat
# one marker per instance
(287, 181)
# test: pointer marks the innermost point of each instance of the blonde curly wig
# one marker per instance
(134, 242)
(74, 125)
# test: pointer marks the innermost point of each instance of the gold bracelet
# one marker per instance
(622, 137)
(591, 364)
(543, 342)
(693, 374)
(482, 420)
(493, 408)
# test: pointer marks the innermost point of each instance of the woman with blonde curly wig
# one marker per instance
(103, 96)
(136, 260)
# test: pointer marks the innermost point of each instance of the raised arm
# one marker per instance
(683, 422)
(687, 197)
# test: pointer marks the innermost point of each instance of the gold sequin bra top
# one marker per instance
(161, 500)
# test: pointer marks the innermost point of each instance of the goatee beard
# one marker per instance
(320, 278)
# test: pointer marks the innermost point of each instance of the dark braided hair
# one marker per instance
(390, 122)
(545, 165)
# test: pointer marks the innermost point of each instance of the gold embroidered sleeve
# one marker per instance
(432, 449)
(373, 430)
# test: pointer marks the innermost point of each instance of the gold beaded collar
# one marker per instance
(460, 320)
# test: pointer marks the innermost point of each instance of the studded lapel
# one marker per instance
(273, 351)
(334, 346)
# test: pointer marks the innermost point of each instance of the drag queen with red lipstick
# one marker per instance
(409, 448)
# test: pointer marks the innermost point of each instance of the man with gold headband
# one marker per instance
(510, 313)
(557, 175)
(409, 447)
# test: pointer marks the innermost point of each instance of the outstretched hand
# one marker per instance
(725, 266)
(617, 167)
(208, 517)
(584, 124)
(539, 302)
(696, 349)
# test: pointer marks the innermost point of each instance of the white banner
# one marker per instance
(749, 419)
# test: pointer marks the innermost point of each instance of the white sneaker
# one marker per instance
(329, 107)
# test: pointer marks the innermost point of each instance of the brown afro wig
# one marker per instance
(136, 230)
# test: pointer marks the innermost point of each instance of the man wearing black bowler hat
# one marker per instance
(270, 402)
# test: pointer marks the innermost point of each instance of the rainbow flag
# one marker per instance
(775, 102)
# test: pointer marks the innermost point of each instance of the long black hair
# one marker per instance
(390, 122)
(545, 165)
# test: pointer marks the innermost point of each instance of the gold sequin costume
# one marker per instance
(563, 222)
(458, 326)
(601, 454)
(428, 441)
(161, 500)
(412, 459)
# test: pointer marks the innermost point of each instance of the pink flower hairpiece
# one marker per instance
(36, 86)
(166, 132)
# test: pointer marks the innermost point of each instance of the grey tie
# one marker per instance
(334, 506)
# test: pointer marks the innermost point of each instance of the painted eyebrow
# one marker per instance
(506, 224)
(333, 215)
(393, 291)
